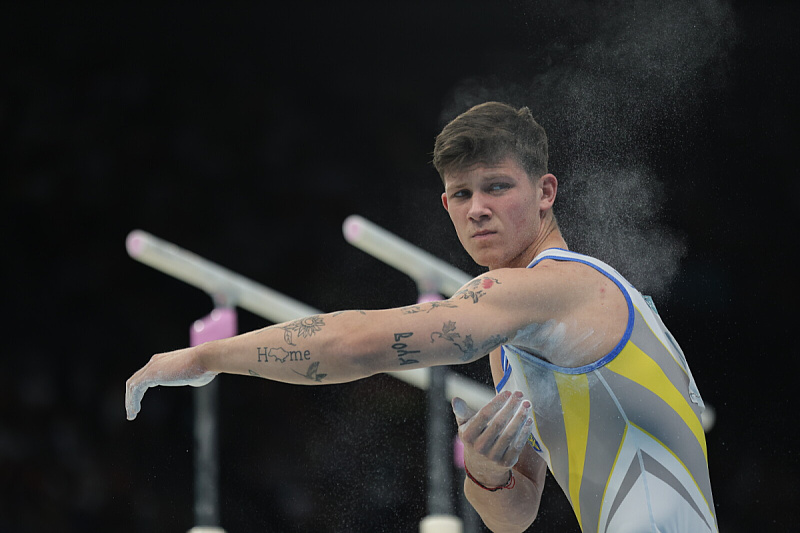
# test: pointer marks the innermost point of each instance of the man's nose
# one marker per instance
(479, 208)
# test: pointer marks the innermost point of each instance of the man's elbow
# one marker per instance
(520, 524)
(357, 356)
(529, 522)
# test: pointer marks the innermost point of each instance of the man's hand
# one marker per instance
(493, 437)
(172, 369)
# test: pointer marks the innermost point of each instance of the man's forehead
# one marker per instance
(505, 167)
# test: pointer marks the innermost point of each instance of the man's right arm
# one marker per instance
(495, 448)
(510, 510)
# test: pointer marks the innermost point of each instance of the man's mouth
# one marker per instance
(482, 234)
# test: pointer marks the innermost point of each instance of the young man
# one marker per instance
(590, 382)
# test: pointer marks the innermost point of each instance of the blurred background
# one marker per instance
(247, 132)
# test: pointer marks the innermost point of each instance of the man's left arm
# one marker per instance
(350, 345)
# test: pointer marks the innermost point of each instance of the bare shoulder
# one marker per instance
(549, 290)
(566, 301)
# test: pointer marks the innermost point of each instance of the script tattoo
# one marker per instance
(476, 289)
(281, 355)
(302, 327)
(412, 309)
(466, 344)
(400, 348)
(311, 373)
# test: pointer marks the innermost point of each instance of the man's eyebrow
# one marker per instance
(461, 183)
(454, 184)
(497, 175)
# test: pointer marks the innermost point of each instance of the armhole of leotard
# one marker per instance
(620, 345)
(504, 364)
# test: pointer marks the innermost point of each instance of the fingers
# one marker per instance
(479, 419)
(462, 411)
(509, 444)
(135, 388)
(498, 431)
(134, 391)
(172, 369)
(497, 412)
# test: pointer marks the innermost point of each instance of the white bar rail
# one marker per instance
(219, 282)
(429, 272)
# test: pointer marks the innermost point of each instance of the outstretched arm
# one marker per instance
(346, 346)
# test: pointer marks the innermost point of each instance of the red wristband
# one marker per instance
(510, 485)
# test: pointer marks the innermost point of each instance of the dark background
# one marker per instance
(248, 133)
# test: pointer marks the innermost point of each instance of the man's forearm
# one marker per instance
(319, 349)
(350, 345)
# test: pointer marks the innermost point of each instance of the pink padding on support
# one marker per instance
(134, 243)
(458, 453)
(352, 229)
(219, 324)
(429, 297)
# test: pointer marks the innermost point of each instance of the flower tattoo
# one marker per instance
(303, 327)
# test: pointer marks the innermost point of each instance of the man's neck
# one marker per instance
(549, 237)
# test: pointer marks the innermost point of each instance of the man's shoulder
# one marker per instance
(587, 302)
(554, 287)
(548, 275)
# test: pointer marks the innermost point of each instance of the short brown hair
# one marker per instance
(489, 132)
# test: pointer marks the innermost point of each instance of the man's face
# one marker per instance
(496, 213)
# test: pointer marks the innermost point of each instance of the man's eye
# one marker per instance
(461, 194)
(498, 186)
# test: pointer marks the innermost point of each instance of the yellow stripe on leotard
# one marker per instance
(639, 367)
(574, 393)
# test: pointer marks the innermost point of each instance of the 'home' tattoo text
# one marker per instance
(281, 355)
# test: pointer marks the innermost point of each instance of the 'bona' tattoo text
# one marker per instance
(402, 349)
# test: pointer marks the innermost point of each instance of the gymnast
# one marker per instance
(589, 381)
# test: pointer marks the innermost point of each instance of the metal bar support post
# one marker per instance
(221, 323)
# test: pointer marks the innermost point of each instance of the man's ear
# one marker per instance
(549, 186)
(444, 201)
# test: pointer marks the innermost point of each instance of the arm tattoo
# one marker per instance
(281, 355)
(311, 373)
(401, 349)
(493, 342)
(467, 345)
(448, 332)
(303, 327)
(476, 289)
(412, 309)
